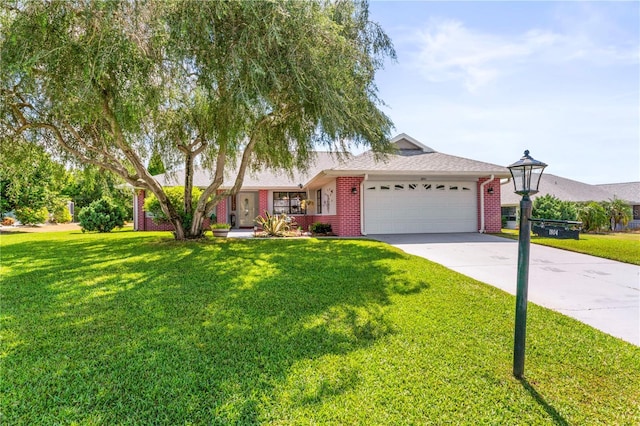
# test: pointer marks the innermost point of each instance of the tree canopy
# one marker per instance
(28, 177)
(228, 86)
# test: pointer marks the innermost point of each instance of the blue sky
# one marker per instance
(487, 80)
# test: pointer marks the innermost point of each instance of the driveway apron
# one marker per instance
(602, 293)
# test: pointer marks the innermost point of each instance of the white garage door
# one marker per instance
(416, 207)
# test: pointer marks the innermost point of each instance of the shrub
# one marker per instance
(102, 216)
(29, 216)
(220, 226)
(274, 225)
(320, 228)
(593, 217)
(8, 221)
(175, 194)
(61, 212)
(551, 207)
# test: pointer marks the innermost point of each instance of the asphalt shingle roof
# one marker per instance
(628, 191)
(566, 190)
(414, 161)
(420, 161)
(255, 180)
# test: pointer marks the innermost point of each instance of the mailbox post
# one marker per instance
(526, 175)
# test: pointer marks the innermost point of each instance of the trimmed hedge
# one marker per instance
(102, 216)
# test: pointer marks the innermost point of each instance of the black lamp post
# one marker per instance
(526, 175)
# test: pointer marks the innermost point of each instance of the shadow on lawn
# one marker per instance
(201, 332)
(555, 415)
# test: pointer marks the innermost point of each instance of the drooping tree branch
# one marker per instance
(228, 82)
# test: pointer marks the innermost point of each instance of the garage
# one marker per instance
(403, 207)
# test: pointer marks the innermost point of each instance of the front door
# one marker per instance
(247, 209)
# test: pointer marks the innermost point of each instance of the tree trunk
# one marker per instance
(178, 229)
(196, 224)
(188, 184)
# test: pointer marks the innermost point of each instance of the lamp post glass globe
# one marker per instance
(526, 174)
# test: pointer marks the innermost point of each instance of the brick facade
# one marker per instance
(221, 211)
(347, 220)
(348, 207)
(147, 224)
(492, 211)
(263, 201)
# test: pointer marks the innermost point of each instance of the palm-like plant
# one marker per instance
(620, 212)
(593, 216)
(273, 225)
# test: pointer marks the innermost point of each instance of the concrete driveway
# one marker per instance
(602, 293)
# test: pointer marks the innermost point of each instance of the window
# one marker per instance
(440, 187)
(412, 186)
(636, 212)
(509, 213)
(398, 187)
(288, 202)
(319, 201)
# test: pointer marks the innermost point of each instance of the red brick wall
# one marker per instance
(345, 223)
(305, 221)
(492, 213)
(332, 220)
(263, 201)
(140, 214)
(347, 207)
(221, 211)
(147, 224)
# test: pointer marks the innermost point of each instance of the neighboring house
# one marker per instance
(414, 190)
(630, 192)
(571, 190)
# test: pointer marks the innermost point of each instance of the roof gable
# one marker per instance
(404, 142)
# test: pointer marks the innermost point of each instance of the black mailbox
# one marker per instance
(561, 229)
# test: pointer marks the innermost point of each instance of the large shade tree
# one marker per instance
(229, 86)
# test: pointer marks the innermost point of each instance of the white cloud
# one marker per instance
(449, 51)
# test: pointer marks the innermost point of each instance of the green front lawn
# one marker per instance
(623, 247)
(133, 328)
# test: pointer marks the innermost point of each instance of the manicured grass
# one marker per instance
(133, 328)
(623, 247)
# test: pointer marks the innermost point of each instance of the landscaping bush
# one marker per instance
(102, 216)
(593, 216)
(175, 194)
(320, 228)
(220, 226)
(551, 207)
(29, 216)
(61, 212)
(8, 221)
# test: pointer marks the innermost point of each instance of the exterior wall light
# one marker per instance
(354, 190)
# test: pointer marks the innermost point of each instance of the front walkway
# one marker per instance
(602, 293)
